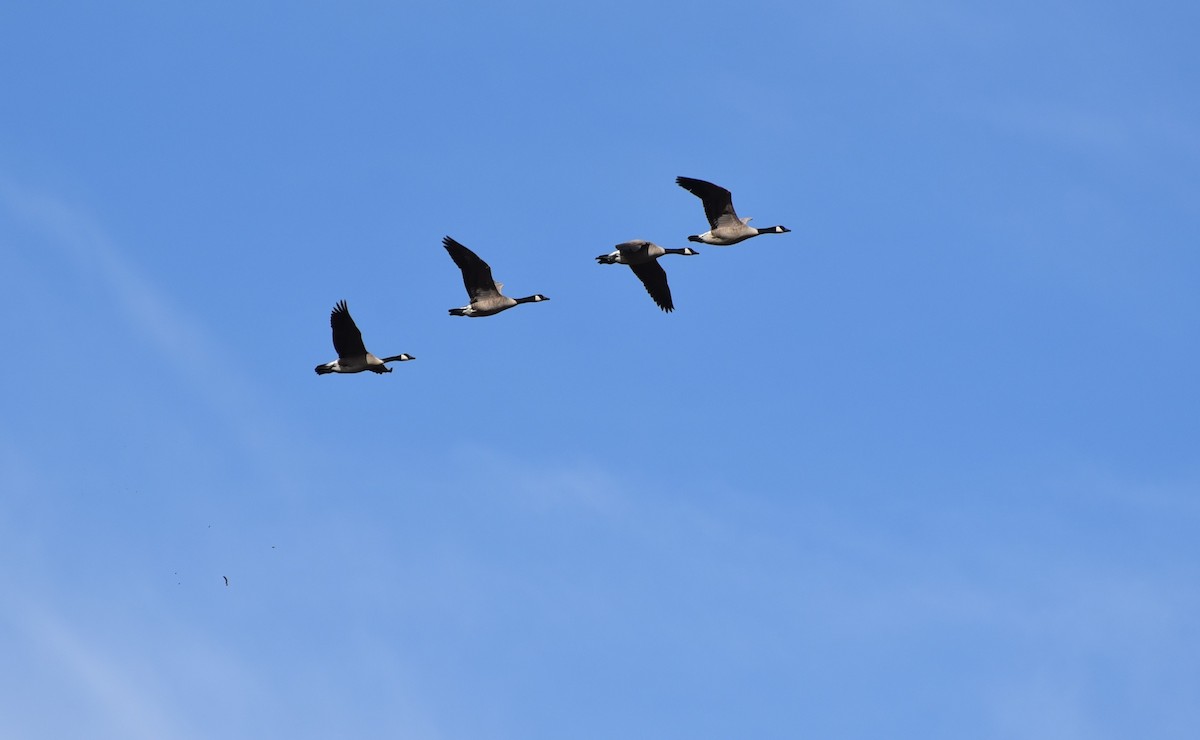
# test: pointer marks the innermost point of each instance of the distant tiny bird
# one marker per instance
(725, 226)
(353, 356)
(226, 581)
(642, 257)
(483, 291)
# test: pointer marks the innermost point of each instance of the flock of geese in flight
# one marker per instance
(725, 229)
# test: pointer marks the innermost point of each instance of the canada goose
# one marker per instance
(642, 257)
(483, 291)
(726, 227)
(353, 356)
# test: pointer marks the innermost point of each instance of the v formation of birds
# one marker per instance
(486, 298)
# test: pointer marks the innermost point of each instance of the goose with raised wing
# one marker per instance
(642, 257)
(353, 356)
(484, 292)
(725, 226)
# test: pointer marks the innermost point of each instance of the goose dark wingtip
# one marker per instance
(654, 279)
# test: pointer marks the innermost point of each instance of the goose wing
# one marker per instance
(347, 339)
(633, 248)
(654, 277)
(477, 274)
(718, 202)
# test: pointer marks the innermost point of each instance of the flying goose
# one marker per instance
(642, 257)
(727, 228)
(483, 291)
(353, 356)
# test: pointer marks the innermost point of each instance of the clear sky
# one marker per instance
(925, 467)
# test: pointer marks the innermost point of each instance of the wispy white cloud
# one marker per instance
(1063, 124)
(183, 342)
(134, 672)
(94, 254)
(1129, 134)
(1049, 702)
(580, 485)
(1174, 497)
(107, 697)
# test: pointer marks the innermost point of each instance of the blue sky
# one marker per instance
(924, 467)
